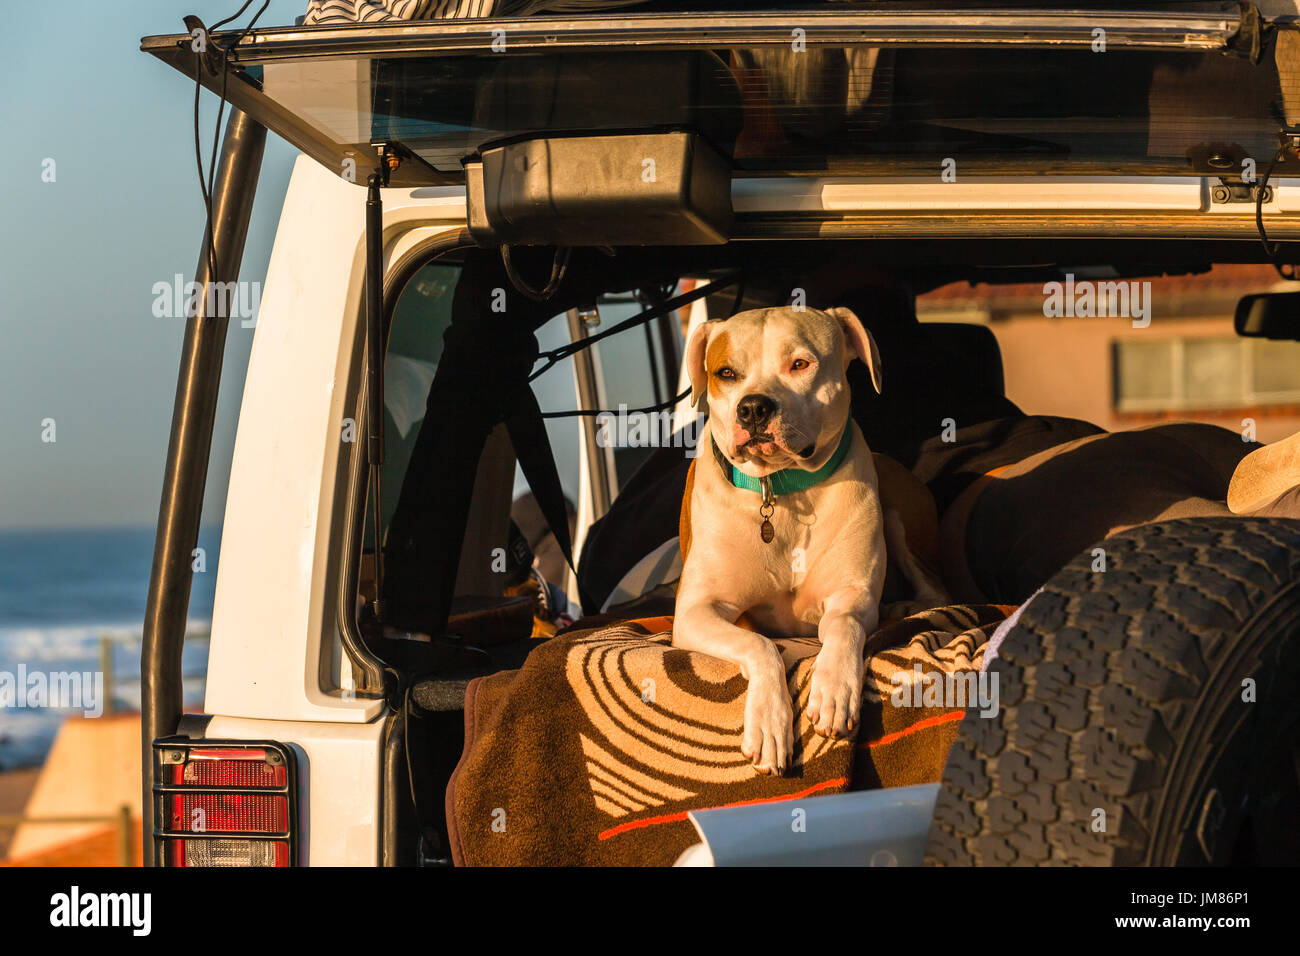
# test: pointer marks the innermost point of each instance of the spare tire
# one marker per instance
(1149, 712)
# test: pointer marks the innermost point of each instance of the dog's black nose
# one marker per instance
(753, 411)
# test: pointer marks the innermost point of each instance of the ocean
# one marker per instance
(63, 593)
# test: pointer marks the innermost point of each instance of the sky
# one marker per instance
(79, 257)
(80, 345)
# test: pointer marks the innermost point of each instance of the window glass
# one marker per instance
(633, 372)
(826, 110)
(1206, 373)
(556, 392)
(627, 365)
(1277, 369)
(1146, 372)
(421, 315)
(1212, 371)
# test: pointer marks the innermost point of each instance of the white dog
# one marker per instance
(783, 521)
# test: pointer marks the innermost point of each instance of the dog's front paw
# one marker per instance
(835, 692)
(768, 739)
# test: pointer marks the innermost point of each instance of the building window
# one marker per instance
(1181, 374)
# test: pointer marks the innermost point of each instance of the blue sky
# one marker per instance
(79, 257)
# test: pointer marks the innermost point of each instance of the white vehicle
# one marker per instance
(958, 145)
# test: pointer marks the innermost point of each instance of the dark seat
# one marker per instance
(446, 690)
(974, 344)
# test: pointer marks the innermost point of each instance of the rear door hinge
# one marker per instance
(1238, 192)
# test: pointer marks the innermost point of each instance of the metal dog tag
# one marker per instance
(765, 530)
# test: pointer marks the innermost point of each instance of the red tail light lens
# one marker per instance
(225, 806)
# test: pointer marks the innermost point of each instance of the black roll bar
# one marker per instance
(190, 444)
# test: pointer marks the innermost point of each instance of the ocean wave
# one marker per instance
(31, 643)
(26, 733)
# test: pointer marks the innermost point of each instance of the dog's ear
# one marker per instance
(858, 342)
(695, 350)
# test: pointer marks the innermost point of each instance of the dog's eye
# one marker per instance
(799, 365)
(727, 373)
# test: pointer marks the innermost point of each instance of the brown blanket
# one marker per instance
(595, 750)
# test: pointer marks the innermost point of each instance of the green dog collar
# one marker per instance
(787, 480)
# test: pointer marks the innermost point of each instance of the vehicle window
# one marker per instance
(1172, 354)
(824, 111)
(632, 371)
(420, 317)
(1186, 374)
(556, 392)
(628, 375)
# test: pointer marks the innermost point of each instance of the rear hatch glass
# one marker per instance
(803, 93)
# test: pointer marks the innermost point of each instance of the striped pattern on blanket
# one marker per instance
(595, 750)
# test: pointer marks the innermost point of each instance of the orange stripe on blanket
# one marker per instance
(655, 625)
(918, 726)
(681, 815)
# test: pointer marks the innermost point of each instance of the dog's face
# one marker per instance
(778, 395)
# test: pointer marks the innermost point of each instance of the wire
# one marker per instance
(1270, 250)
(237, 14)
(663, 308)
(198, 158)
(564, 351)
(206, 187)
(740, 298)
(590, 412)
(559, 266)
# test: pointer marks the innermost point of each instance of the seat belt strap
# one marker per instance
(533, 452)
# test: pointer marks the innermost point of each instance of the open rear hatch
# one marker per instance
(850, 92)
(1186, 90)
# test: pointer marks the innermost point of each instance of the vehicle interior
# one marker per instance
(493, 619)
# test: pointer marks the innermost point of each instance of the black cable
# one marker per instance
(1270, 250)
(225, 76)
(198, 158)
(659, 407)
(559, 266)
(206, 187)
(237, 14)
(555, 355)
(740, 298)
(251, 23)
(663, 308)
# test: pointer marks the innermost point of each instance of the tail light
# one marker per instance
(227, 803)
